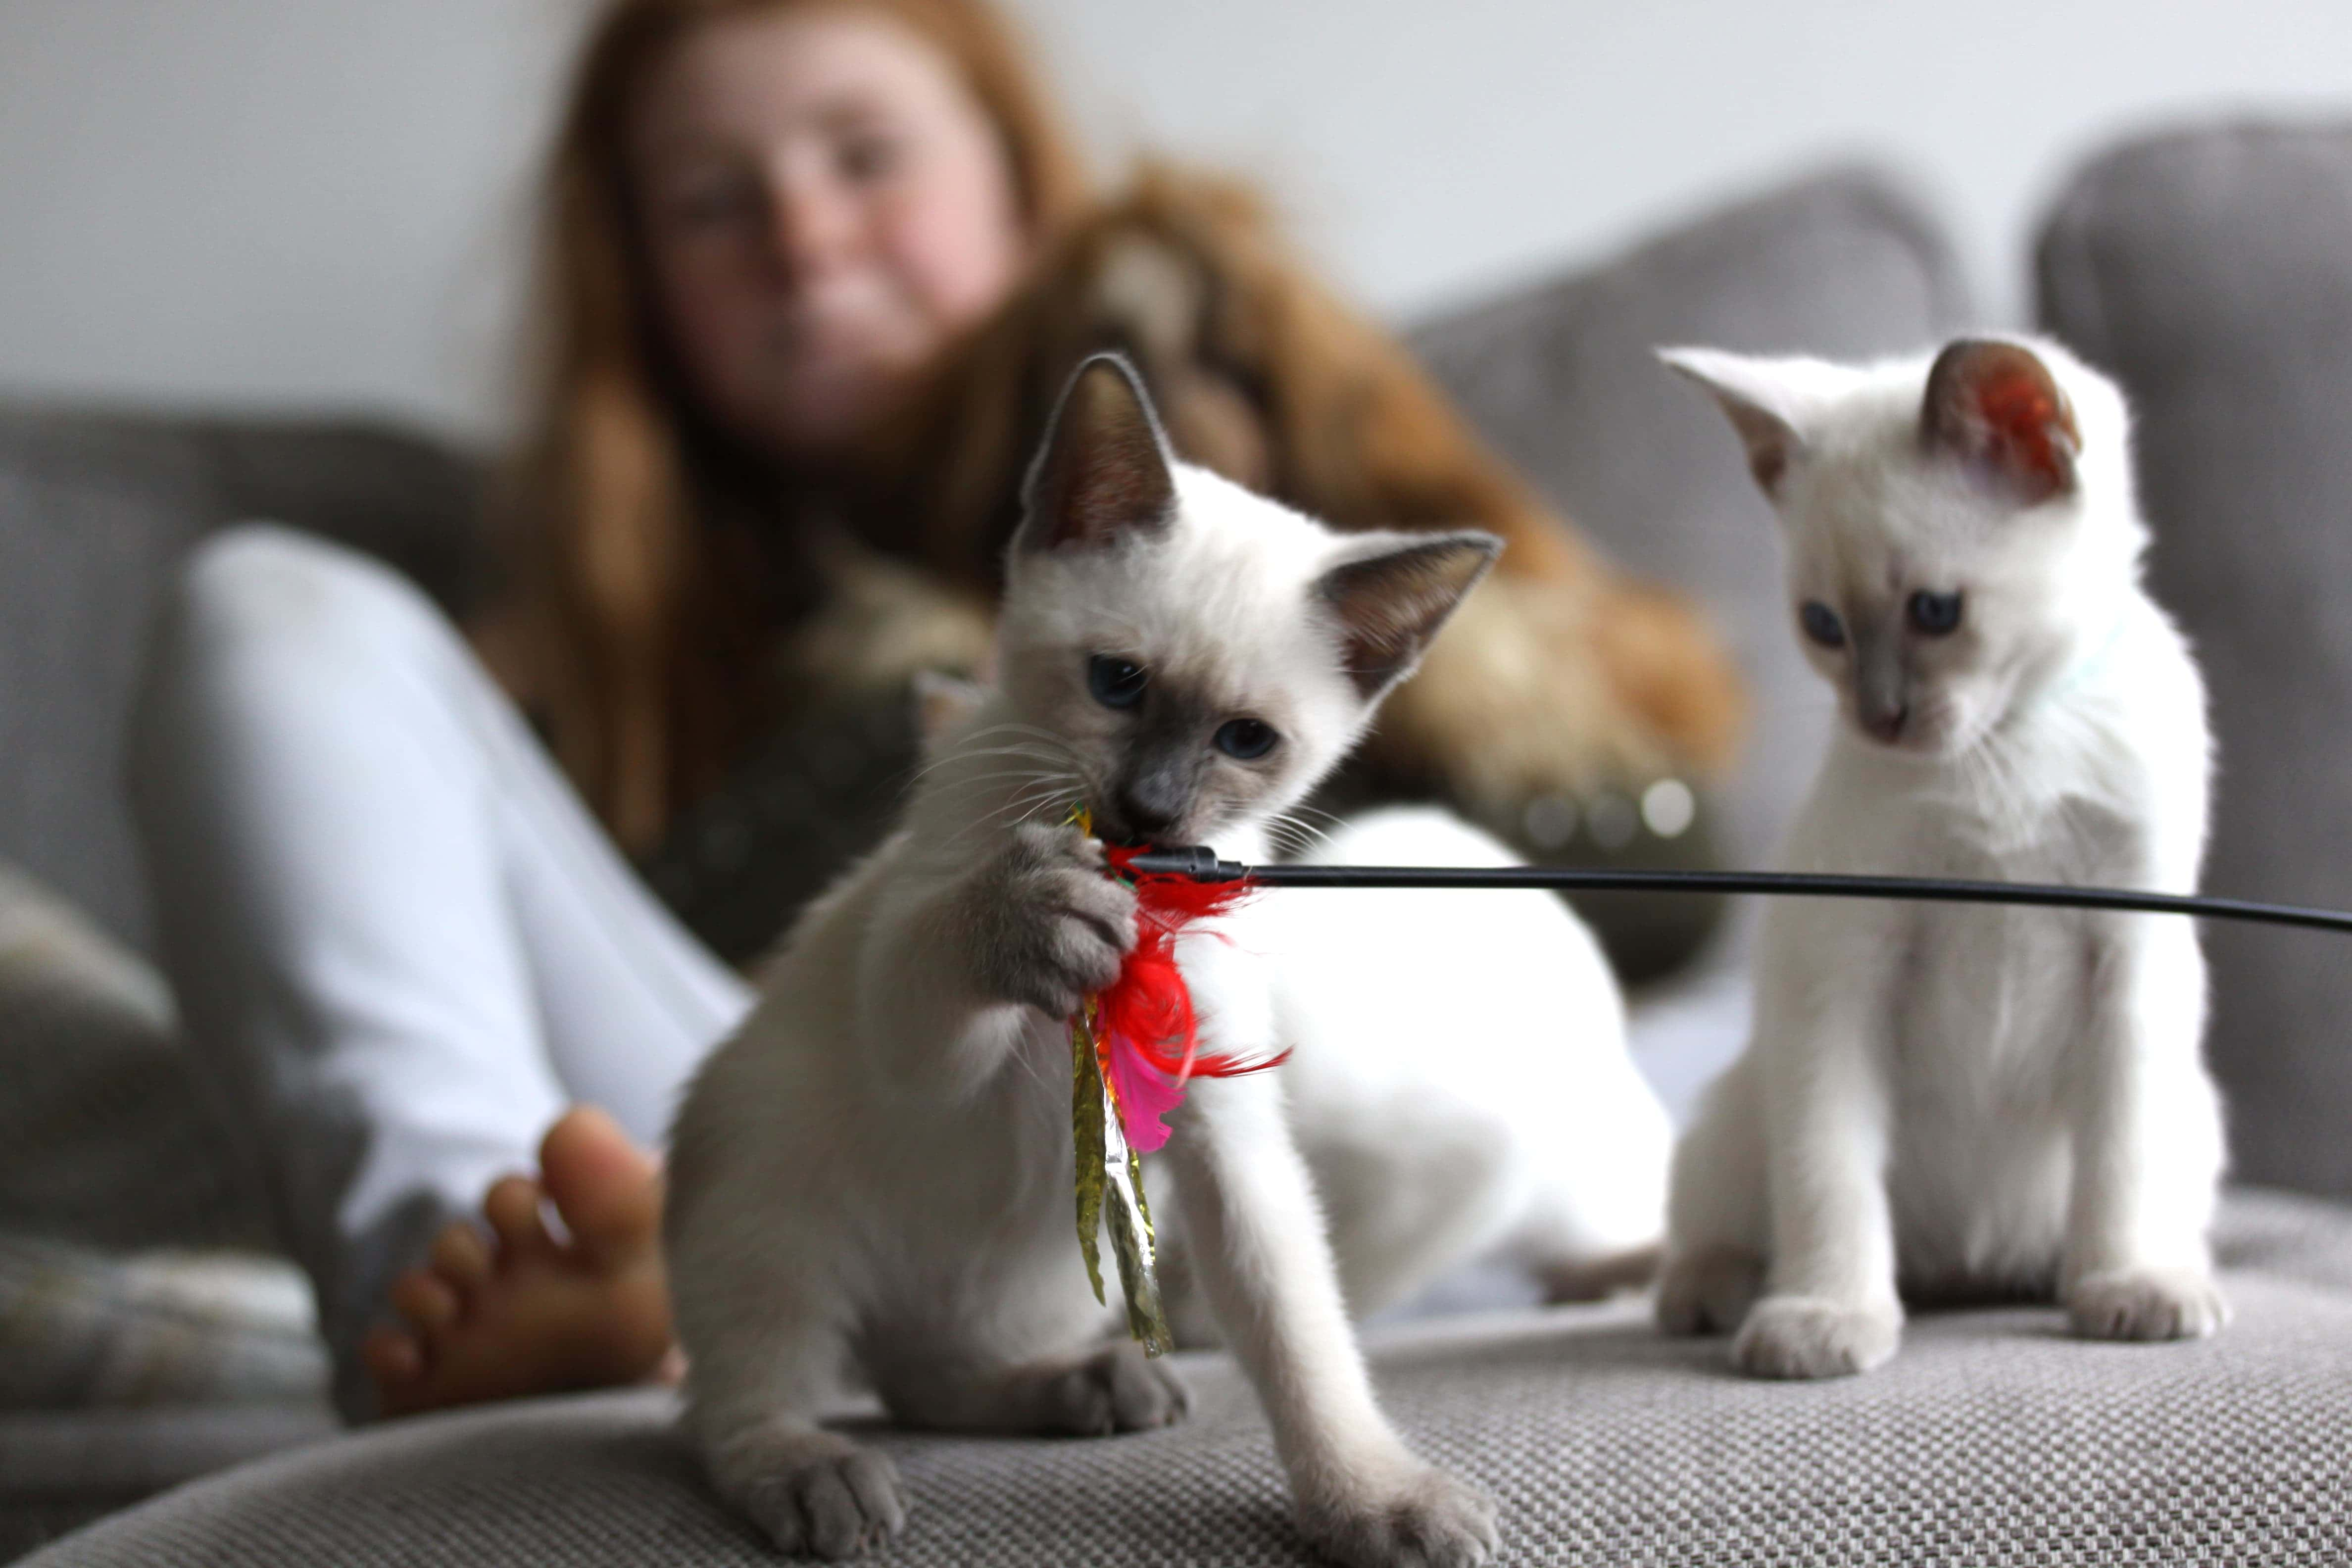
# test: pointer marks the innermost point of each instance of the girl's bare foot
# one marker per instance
(519, 1313)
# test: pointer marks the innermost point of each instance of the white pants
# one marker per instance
(399, 942)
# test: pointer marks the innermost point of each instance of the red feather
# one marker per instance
(1147, 1013)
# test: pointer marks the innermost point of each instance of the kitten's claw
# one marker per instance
(1708, 1291)
(2146, 1304)
(825, 1498)
(1808, 1336)
(1422, 1518)
(1053, 926)
(1116, 1389)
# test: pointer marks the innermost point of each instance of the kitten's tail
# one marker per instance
(1598, 1279)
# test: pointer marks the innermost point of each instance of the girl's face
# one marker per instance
(824, 205)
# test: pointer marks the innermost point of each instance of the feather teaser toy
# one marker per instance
(1133, 1049)
(1134, 1046)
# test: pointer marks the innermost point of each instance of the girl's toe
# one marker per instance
(461, 1257)
(393, 1358)
(426, 1299)
(511, 1205)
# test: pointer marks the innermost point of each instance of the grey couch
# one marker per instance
(2213, 271)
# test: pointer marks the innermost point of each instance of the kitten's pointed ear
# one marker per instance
(1756, 400)
(1391, 599)
(1996, 407)
(1105, 470)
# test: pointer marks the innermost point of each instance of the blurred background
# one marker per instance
(285, 204)
(264, 258)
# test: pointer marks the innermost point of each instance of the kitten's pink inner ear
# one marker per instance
(1767, 442)
(1390, 606)
(1768, 439)
(1105, 468)
(1996, 407)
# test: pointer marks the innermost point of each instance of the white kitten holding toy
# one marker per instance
(1958, 1098)
(872, 1183)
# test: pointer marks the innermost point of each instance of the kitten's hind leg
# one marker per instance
(1115, 1388)
(1600, 1276)
(1594, 1227)
(1573, 1260)
(1708, 1290)
(1095, 1393)
(765, 1354)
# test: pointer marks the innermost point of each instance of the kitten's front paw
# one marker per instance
(1116, 1389)
(1054, 926)
(2146, 1304)
(1422, 1517)
(816, 1495)
(1809, 1336)
(1708, 1290)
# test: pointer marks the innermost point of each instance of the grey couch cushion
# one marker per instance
(95, 511)
(67, 1467)
(108, 1137)
(1561, 379)
(1992, 1438)
(105, 1141)
(2213, 273)
(161, 1329)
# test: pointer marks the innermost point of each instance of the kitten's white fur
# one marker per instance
(1964, 1097)
(872, 1182)
(1476, 1098)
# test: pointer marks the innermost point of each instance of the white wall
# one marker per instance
(268, 203)
(276, 202)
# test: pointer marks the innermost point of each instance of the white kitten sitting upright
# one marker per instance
(872, 1182)
(1968, 1099)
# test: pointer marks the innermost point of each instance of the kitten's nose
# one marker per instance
(1143, 819)
(1882, 690)
(1886, 723)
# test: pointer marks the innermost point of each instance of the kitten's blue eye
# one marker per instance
(1247, 739)
(1937, 615)
(1821, 624)
(1115, 682)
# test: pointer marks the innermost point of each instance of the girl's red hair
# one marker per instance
(634, 622)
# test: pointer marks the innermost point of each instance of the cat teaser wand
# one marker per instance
(1201, 865)
(1134, 1046)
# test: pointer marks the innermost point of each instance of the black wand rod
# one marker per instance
(1201, 865)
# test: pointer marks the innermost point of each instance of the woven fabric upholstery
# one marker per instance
(67, 1467)
(1992, 1438)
